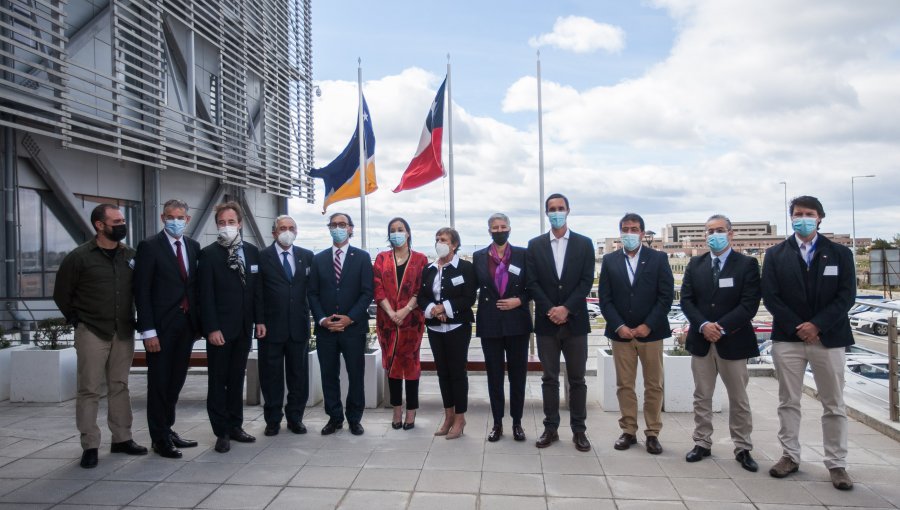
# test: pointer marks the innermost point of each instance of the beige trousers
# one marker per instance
(102, 363)
(735, 377)
(625, 357)
(791, 359)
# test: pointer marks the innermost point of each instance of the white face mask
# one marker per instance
(441, 249)
(228, 233)
(286, 238)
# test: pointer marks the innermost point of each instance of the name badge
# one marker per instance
(131, 264)
(457, 281)
(830, 271)
(514, 270)
(254, 268)
(726, 282)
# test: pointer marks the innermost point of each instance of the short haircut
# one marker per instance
(720, 217)
(282, 217)
(99, 213)
(234, 206)
(808, 202)
(632, 217)
(405, 225)
(333, 216)
(501, 216)
(454, 236)
(176, 204)
(556, 195)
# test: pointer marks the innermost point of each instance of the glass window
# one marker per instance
(43, 243)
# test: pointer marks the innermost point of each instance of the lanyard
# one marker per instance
(630, 268)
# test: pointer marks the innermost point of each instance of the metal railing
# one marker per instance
(893, 357)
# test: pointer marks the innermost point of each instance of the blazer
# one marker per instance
(458, 286)
(225, 304)
(732, 304)
(490, 321)
(158, 288)
(570, 290)
(784, 291)
(286, 314)
(351, 298)
(647, 301)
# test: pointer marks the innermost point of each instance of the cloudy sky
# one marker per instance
(674, 109)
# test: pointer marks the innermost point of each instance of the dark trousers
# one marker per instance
(511, 351)
(574, 348)
(166, 373)
(395, 387)
(281, 362)
(451, 353)
(224, 397)
(330, 347)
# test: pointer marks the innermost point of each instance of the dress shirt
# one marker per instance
(559, 245)
(150, 333)
(448, 308)
(344, 249)
(631, 264)
(807, 250)
(712, 262)
(290, 257)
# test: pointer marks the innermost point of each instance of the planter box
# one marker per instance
(5, 355)
(37, 375)
(373, 379)
(606, 382)
(678, 386)
(315, 379)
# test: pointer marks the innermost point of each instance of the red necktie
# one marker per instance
(184, 275)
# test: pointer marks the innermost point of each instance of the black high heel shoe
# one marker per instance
(410, 424)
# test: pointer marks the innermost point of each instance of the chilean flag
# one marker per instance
(426, 165)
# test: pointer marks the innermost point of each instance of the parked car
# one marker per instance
(593, 310)
(874, 320)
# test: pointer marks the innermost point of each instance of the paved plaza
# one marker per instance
(396, 469)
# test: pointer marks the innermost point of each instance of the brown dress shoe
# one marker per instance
(547, 438)
(840, 479)
(653, 445)
(625, 441)
(581, 442)
(784, 467)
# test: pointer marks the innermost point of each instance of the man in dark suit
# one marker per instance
(636, 290)
(284, 270)
(230, 304)
(809, 284)
(720, 296)
(560, 270)
(165, 293)
(340, 291)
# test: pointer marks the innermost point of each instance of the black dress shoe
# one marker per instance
(697, 453)
(356, 428)
(495, 434)
(581, 442)
(129, 447)
(166, 449)
(272, 429)
(547, 438)
(653, 445)
(223, 444)
(181, 442)
(518, 433)
(240, 436)
(89, 458)
(331, 427)
(396, 425)
(297, 427)
(746, 461)
(625, 441)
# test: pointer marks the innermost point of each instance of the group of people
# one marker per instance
(231, 291)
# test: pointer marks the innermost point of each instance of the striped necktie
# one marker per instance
(337, 265)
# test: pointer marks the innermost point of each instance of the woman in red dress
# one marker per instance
(399, 322)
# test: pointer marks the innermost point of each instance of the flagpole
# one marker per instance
(450, 140)
(362, 159)
(540, 146)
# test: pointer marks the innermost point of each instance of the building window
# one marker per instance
(43, 243)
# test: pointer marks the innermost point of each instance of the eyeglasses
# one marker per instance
(338, 225)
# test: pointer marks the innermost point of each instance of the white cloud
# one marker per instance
(581, 35)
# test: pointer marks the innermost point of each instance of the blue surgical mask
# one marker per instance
(398, 239)
(338, 235)
(717, 242)
(804, 226)
(557, 218)
(175, 227)
(631, 242)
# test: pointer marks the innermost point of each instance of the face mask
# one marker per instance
(442, 250)
(117, 232)
(398, 239)
(175, 227)
(338, 235)
(631, 242)
(557, 218)
(286, 238)
(228, 234)
(804, 226)
(717, 242)
(500, 238)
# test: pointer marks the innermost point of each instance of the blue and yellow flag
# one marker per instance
(341, 176)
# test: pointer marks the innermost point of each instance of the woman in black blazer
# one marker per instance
(447, 295)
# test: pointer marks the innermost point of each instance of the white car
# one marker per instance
(593, 310)
(875, 319)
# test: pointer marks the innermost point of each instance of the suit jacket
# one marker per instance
(286, 313)
(458, 286)
(225, 304)
(158, 287)
(731, 306)
(647, 301)
(492, 322)
(784, 291)
(570, 290)
(351, 298)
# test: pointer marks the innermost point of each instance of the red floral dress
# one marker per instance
(399, 344)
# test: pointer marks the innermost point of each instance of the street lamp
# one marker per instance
(786, 231)
(853, 205)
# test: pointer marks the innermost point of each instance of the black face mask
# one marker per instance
(500, 238)
(117, 232)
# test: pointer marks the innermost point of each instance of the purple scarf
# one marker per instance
(501, 274)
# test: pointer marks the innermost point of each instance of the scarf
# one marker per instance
(501, 274)
(233, 261)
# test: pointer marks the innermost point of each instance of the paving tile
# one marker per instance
(571, 465)
(60, 450)
(204, 472)
(890, 492)
(623, 464)
(397, 459)
(31, 468)
(498, 502)
(175, 495)
(403, 480)
(283, 456)
(641, 487)
(25, 447)
(8, 485)
(263, 474)
(45, 491)
(454, 461)
(517, 484)
(325, 457)
(374, 500)
(325, 476)
(859, 496)
(436, 501)
(146, 469)
(679, 468)
(438, 480)
(244, 497)
(73, 470)
(108, 492)
(718, 505)
(579, 486)
(23, 506)
(626, 504)
(580, 504)
(509, 463)
(307, 498)
(777, 492)
(708, 489)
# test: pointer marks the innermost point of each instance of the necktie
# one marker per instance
(716, 268)
(286, 265)
(337, 265)
(183, 272)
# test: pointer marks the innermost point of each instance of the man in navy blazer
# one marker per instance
(636, 290)
(560, 270)
(340, 290)
(284, 270)
(720, 295)
(165, 295)
(809, 284)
